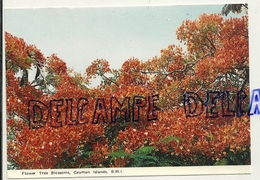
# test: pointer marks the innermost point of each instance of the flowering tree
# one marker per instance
(181, 108)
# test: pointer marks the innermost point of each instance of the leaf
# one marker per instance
(221, 162)
(118, 154)
(87, 166)
(168, 139)
(146, 160)
(87, 153)
(143, 160)
(211, 136)
(145, 150)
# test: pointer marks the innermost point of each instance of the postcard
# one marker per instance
(122, 91)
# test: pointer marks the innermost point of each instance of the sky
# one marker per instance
(58, 32)
(80, 35)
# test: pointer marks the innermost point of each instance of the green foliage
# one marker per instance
(169, 139)
(112, 130)
(239, 157)
(221, 162)
(87, 166)
(12, 165)
(144, 157)
(118, 154)
(66, 161)
(145, 150)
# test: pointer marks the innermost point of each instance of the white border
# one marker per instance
(104, 172)
(17, 4)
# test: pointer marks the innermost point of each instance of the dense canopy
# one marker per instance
(184, 107)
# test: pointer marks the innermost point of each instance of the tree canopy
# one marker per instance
(136, 116)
